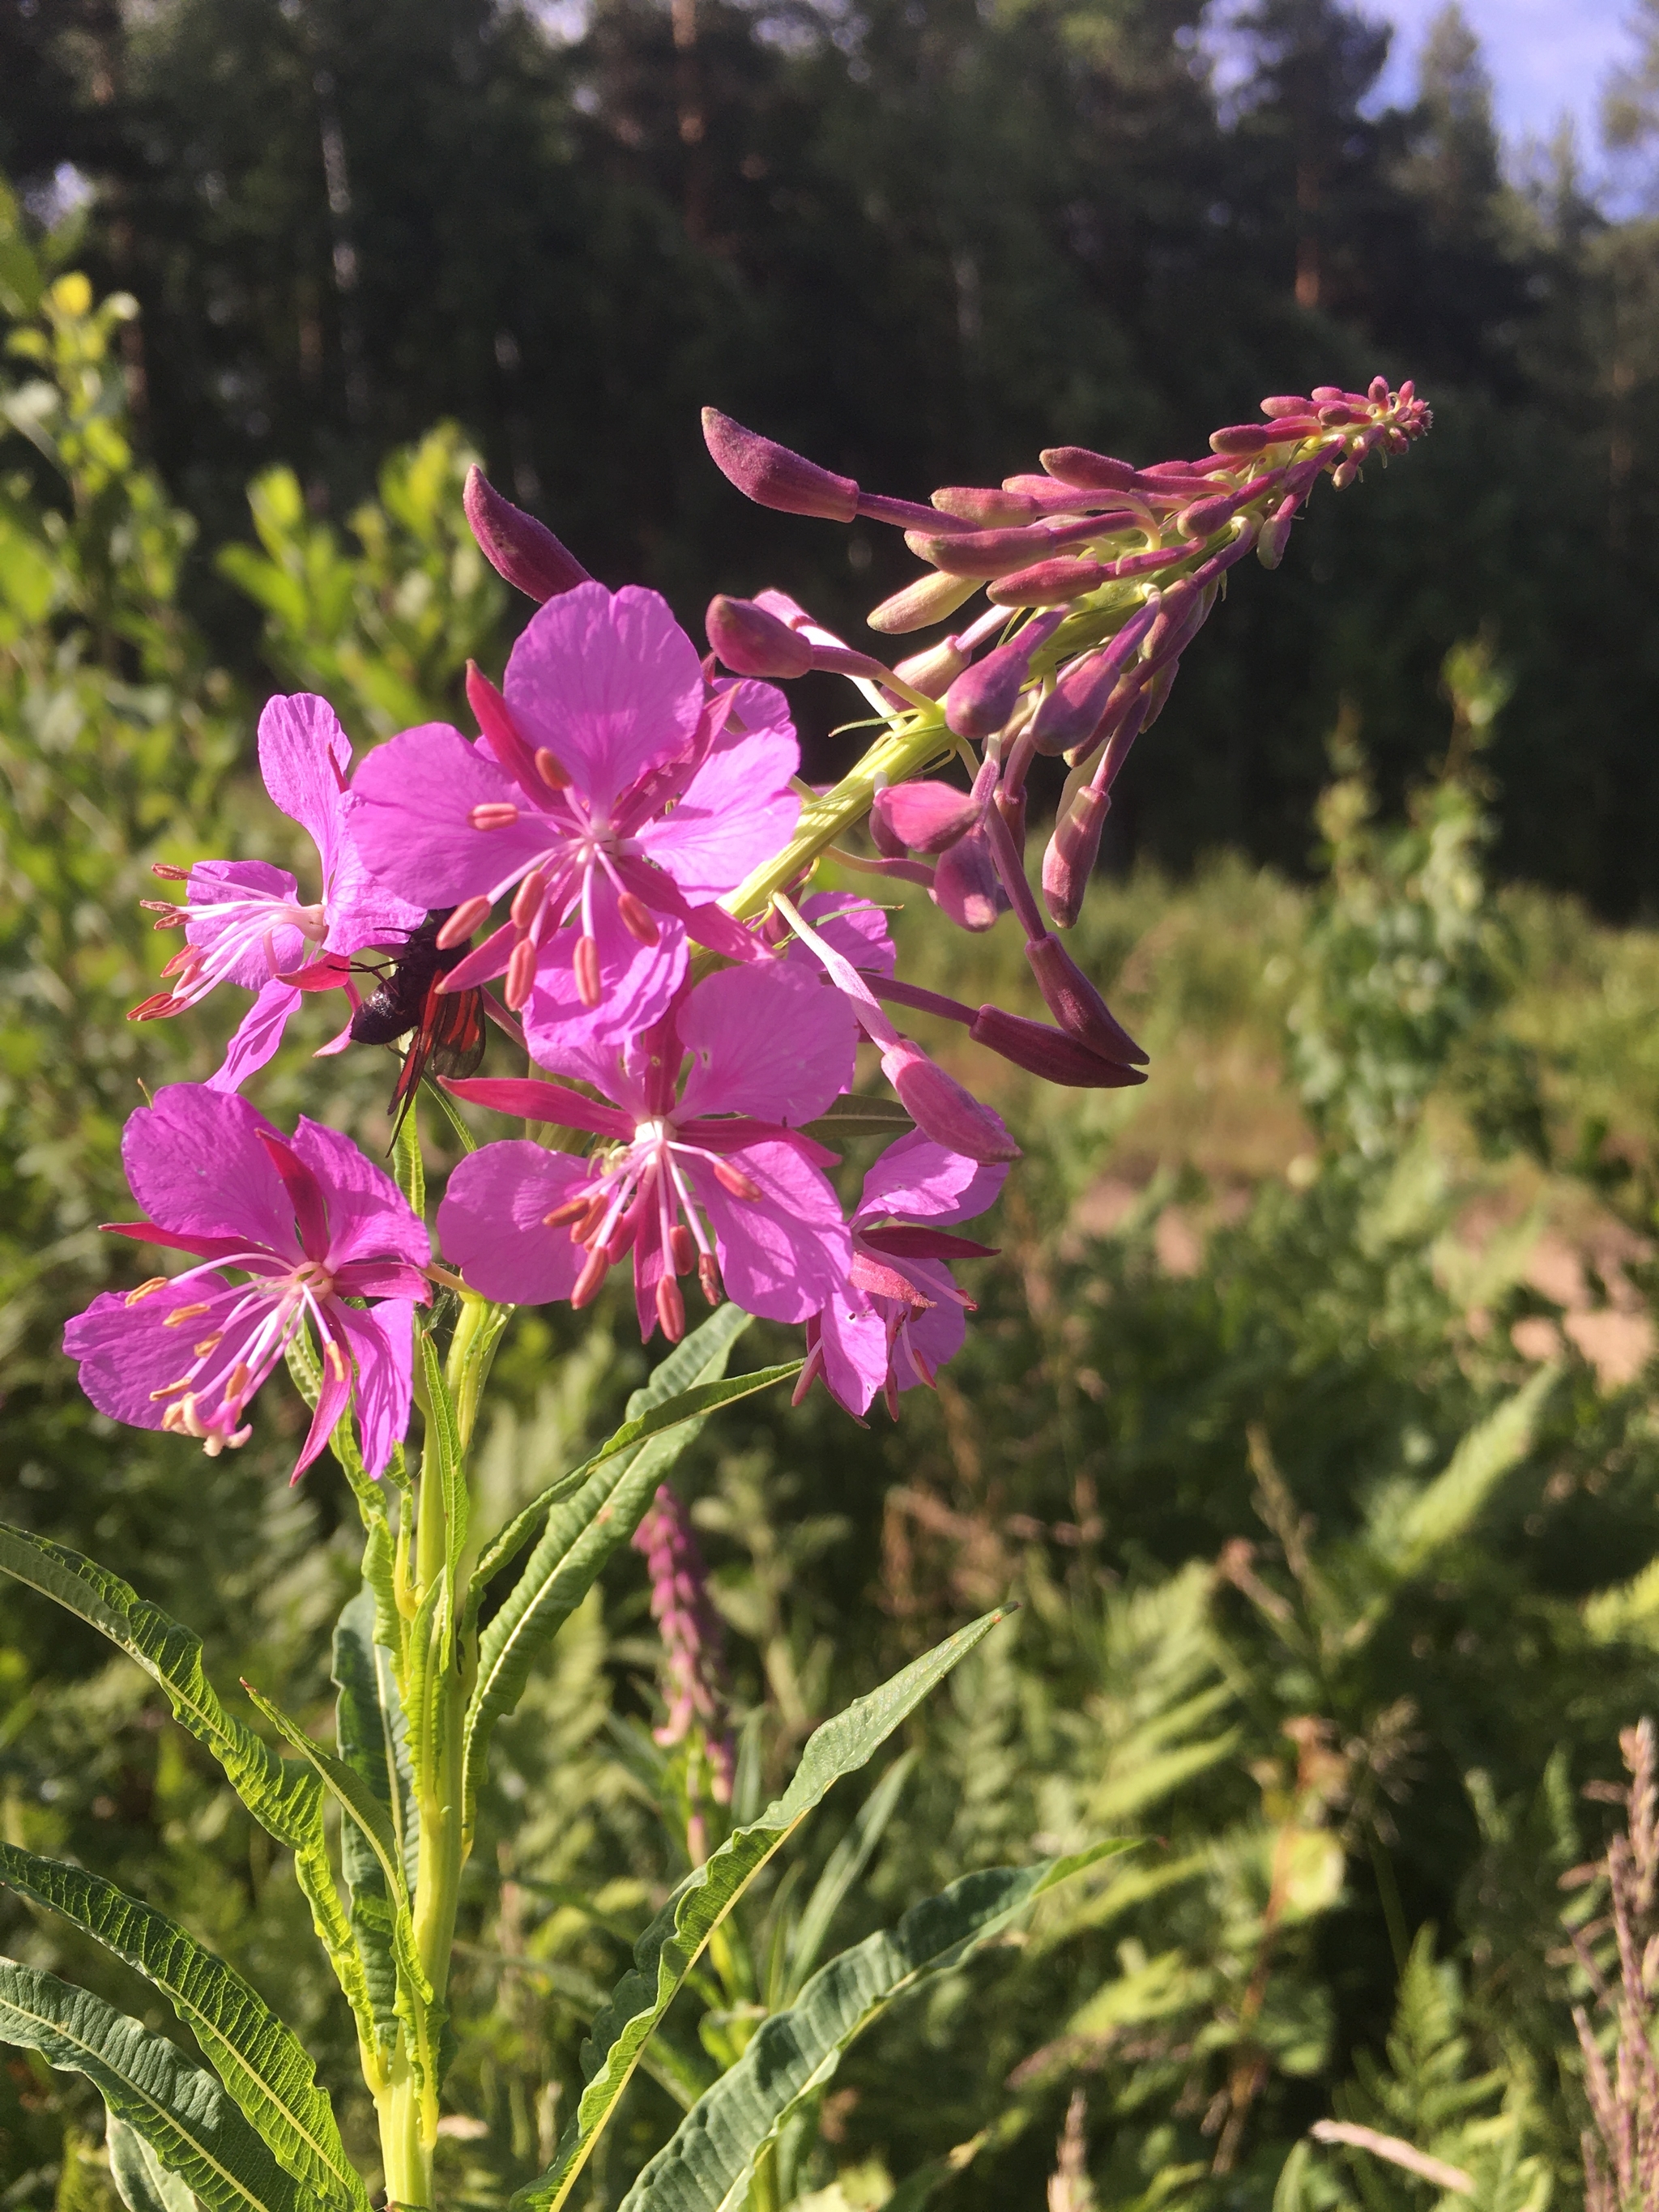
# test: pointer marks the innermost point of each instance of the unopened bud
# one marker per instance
(942, 1109)
(980, 701)
(1294, 404)
(987, 509)
(979, 553)
(922, 818)
(749, 642)
(933, 670)
(1174, 612)
(1344, 474)
(516, 545)
(1205, 516)
(1378, 393)
(1074, 708)
(1244, 438)
(929, 599)
(772, 475)
(1053, 583)
(1276, 533)
(1049, 1053)
(1076, 464)
(1324, 395)
(966, 886)
(1069, 860)
(1076, 1005)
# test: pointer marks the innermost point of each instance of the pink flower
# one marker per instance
(898, 1316)
(244, 922)
(711, 1177)
(309, 1223)
(617, 793)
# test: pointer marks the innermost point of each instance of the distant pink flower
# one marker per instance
(898, 1316)
(618, 794)
(310, 1223)
(710, 1178)
(244, 922)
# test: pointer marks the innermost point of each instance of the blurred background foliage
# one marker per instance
(1309, 1408)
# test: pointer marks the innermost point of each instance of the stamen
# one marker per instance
(572, 1209)
(180, 960)
(156, 1283)
(682, 1249)
(168, 873)
(494, 814)
(172, 1390)
(671, 1309)
(237, 1381)
(208, 1343)
(181, 1314)
(549, 770)
(527, 898)
(637, 917)
(520, 973)
(590, 1279)
(709, 1276)
(586, 966)
(622, 1237)
(462, 923)
(735, 1181)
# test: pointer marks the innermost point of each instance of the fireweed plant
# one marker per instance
(616, 875)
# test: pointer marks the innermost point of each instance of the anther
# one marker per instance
(735, 1181)
(208, 1343)
(671, 1309)
(590, 1279)
(182, 1314)
(462, 923)
(527, 898)
(708, 1275)
(586, 966)
(572, 1209)
(682, 1250)
(494, 814)
(549, 770)
(520, 973)
(637, 917)
(156, 1283)
(168, 873)
(238, 1380)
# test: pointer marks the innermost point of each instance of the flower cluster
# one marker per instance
(694, 1684)
(616, 873)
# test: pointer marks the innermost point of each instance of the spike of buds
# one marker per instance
(1049, 1053)
(749, 642)
(516, 545)
(772, 475)
(982, 699)
(1069, 860)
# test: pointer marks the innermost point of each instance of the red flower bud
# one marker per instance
(980, 701)
(1049, 1053)
(1295, 404)
(929, 599)
(1244, 438)
(922, 818)
(1053, 583)
(1076, 464)
(1076, 1005)
(516, 545)
(772, 475)
(966, 885)
(1069, 860)
(985, 509)
(1074, 709)
(939, 1106)
(749, 642)
(934, 670)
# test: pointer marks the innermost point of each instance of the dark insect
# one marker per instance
(448, 1036)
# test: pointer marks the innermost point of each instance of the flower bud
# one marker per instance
(1378, 394)
(1174, 610)
(922, 818)
(966, 886)
(942, 1109)
(1076, 465)
(516, 545)
(1276, 533)
(1049, 1053)
(749, 642)
(1073, 850)
(980, 553)
(929, 599)
(772, 475)
(980, 701)
(1053, 583)
(987, 509)
(1294, 404)
(934, 670)
(1074, 709)
(1076, 1005)
(1324, 395)
(1244, 438)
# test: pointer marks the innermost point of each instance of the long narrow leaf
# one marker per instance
(258, 2058)
(707, 2164)
(370, 1732)
(845, 1867)
(141, 2182)
(670, 1947)
(181, 2110)
(356, 1799)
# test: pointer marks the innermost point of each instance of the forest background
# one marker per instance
(1310, 1407)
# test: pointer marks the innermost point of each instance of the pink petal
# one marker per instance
(636, 982)
(408, 815)
(332, 1401)
(611, 685)
(256, 1036)
(786, 1253)
(253, 883)
(382, 1342)
(854, 1340)
(491, 1227)
(917, 1180)
(736, 810)
(129, 1352)
(196, 1164)
(368, 1217)
(301, 745)
(767, 1042)
(856, 928)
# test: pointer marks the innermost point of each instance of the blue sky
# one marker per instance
(1546, 57)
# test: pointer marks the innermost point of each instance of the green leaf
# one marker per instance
(258, 2058)
(353, 1795)
(181, 2110)
(708, 2163)
(1449, 1506)
(370, 1732)
(143, 2183)
(286, 1802)
(844, 1870)
(585, 1529)
(670, 1947)
(443, 1437)
(407, 1165)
